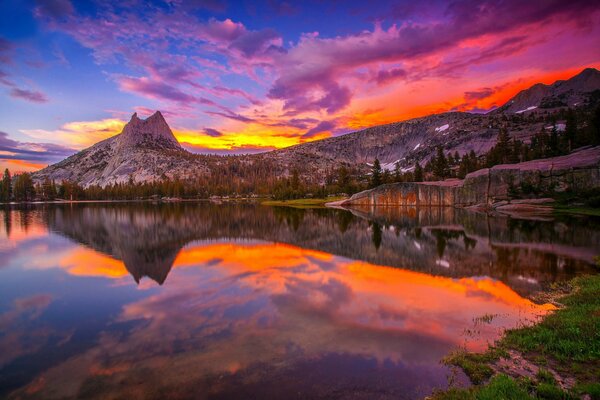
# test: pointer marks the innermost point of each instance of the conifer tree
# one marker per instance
(376, 171)
(6, 192)
(440, 164)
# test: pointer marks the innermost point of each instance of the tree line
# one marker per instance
(233, 175)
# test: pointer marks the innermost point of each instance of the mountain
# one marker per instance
(569, 93)
(416, 139)
(147, 150)
(144, 150)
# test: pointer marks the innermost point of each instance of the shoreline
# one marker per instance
(557, 357)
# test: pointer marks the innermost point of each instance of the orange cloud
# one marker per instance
(79, 134)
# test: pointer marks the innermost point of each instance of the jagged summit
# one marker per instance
(152, 132)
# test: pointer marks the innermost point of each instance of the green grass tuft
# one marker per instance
(568, 341)
(302, 203)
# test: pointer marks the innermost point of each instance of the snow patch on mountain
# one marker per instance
(527, 109)
(442, 128)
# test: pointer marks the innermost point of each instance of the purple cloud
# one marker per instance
(385, 76)
(321, 127)
(480, 94)
(212, 132)
(54, 8)
(231, 115)
(29, 95)
(41, 152)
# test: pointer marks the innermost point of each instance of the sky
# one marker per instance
(237, 77)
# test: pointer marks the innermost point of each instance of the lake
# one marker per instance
(243, 301)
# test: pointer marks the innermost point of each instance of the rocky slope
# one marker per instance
(147, 150)
(415, 140)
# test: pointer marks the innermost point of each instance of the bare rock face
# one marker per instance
(153, 132)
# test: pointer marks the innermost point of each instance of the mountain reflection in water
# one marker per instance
(248, 301)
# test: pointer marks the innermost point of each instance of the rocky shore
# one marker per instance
(493, 187)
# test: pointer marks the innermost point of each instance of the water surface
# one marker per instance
(242, 301)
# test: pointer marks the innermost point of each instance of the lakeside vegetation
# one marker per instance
(300, 203)
(564, 344)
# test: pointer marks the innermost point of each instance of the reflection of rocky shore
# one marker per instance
(439, 241)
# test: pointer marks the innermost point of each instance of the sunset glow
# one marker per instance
(238, 79)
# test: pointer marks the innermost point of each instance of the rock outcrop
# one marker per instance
(577, 171)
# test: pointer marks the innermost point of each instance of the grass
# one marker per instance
(475, 365)
(568, 341)
(302, 203)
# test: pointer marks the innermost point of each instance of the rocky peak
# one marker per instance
(563, 93)
(152, 132)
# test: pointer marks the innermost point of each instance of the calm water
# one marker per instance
(249, 302)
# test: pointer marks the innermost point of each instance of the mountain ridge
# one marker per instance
(147, 150)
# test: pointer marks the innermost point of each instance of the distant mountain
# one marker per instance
(147, 150)
(570, 93)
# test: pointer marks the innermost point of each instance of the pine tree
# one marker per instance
(397, 172)
(570, 130)
(375, 174)
(48, 190)
(418, 173)
(6, 192)
(440, 164)
(553, 145)
(344, 181)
